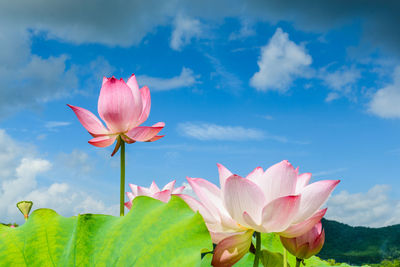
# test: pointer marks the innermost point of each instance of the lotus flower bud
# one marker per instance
(306, 245)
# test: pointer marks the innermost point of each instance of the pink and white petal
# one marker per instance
(137, 96)
(241, 195)
(224, 173)
(196, 205)
(117, 146)
(209, 195)
(170, 186)
(302, 181)
(178, 190)
(255, 175)
(146, 103)
(126, 139)
(219, 236)
(228, 224)
(143, 191)
(163, 196)
(303, 227)
(316, 246)
(144, 133)
(155, 138)
(128, 205)
(88, 120)
(103, 141)
(277, 181)
(313, 196)
(134, 189)
(252, 224)
(159, 124)
(130, 195)
(154, 188)
(309, 236)
(290, 244)
(117, 106)
(231, 249)
(279, 213)
(105, 79)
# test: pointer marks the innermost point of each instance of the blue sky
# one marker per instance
(244, 84)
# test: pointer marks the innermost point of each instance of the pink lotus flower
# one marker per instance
(306, 245)
(153, 191)
(278, 200)
(123, 107)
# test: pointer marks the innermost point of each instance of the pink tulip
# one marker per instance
(278, 200)
(306, 245)
(123, 107)
(153, 191)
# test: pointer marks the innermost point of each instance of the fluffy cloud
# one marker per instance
(385, 102)
(185, 29)
(281, 61)
(208, 131)
(247, 29)
(341, 81)
(28, 80)
(185, 79)
(373, 208)
(20, 171)
(127, 22)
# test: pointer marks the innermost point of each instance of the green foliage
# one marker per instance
(272, 255)
(272, 243)
(360, 245)
(271, 259)
(387, 263)
(153, 233)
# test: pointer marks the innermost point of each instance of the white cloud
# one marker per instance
(373, 208)
(185, 29)
(281, 62)
(208, 131)
(225, 79)
(28, 80)
(342, 81)
(385, 102)
(20, 172)
(52, 125)
(76, 162)
(246, 30)
(126, 22)
(328, 172)
(185, 79)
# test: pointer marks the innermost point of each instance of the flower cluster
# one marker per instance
(278, 200)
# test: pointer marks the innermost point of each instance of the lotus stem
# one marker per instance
(258, 249)
(122, 188)
(298, 262)
(284, 257)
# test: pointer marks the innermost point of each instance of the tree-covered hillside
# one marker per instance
(358, 245)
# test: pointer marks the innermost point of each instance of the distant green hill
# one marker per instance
(358, 245)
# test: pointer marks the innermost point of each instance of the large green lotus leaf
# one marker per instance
(153, 233)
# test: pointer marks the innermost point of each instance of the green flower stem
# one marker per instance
(284, 257)
(298, 262)
(258, 249)
(122, 188)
